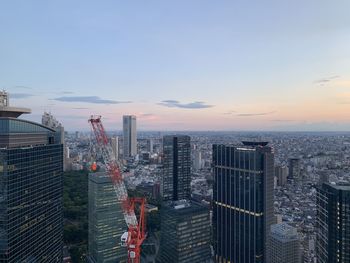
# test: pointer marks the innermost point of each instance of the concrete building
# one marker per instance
(185, 235)
(115, 146)
(176, 181)
(31, 201)
(333, 223)
(242, 201)
(284, 244)
(197, 162)
(106, 221)
(281, 173)
(129, 136)
(294, 168)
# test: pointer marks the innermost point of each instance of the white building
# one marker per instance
(129, 136)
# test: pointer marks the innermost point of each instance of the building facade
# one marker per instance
(294, 168)
(333, 223)
(176, 181)
(242, 201)
(106, 221)
(115, 146)
(129, 136)
(185, 235)
(284, 244)
(31, 192)
(281, 173)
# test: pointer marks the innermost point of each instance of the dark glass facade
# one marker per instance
(176, 183)
(31, 165)
(242, 202)
(333, 223)
(185, 236)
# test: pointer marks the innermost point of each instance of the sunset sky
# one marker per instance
(180, 65)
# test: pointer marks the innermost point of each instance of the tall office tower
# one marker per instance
(281, 173)
(176, 181)
(115, 146)
(333, 223)
(294, 168)
(242, 201)
(129, 136)
(284, 244)
(106, 221)
(150, 145)
(197, 162)
(31, 166)
(185, 235)
(50, 121)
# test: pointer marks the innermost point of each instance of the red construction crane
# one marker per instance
(136, 233)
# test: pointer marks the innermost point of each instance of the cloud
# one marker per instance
(22, 87)
(326, 80)
(20, 95)
(229, 112)
(66, 92)
(255, 114)
(90, 99)
(80, 108)
(191, 105)
(282, 120)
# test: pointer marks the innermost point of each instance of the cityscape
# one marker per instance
(175, 132)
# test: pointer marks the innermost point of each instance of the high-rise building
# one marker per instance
(281, 173)
(31, 167)
(50, 121)
(197, 162)
(294, 168)
(242, 201)
(115, 146)
(176, 181)
(333, 223)
(106, 221)
(284, 244)
(185, 235)
(129, 136)
(150, 145)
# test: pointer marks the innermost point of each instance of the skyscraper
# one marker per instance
(185, 235)
(242, 201)
(284, 244)
(176, 181)
(115, 146)
(31, 166)
(333, 223)
(281, 173)
(129, 136)
(106, 221)
(294, 168)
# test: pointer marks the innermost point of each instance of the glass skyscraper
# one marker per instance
(185, 235)
(31, 167)
(242, 201)
(106, 221)
(176, 181)
(333, 223)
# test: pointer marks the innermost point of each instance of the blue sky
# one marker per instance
(184, 65)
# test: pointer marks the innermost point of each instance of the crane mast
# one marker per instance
(136, 234)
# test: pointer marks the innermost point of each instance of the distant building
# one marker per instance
(197, 163)
(185, 235)
(176, 181)
(242, 201)
(281, 173)
(294, 168)
(284, 244)
(150, 145)
(31, 201)
(115, 146)
(129, 136)
(333, 223)
(106, 221)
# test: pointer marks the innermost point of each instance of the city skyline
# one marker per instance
(193, 65)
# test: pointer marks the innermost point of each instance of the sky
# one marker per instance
(180, 65)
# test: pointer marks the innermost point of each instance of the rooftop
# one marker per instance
(7, 111)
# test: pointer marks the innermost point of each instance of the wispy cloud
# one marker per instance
(22, 87)
(89, 99)
(66, 92)
(255, 114)
(281, 120)
(191, 105)
(323, 81)
(20, 95)
(229, 112)
(80, 108)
